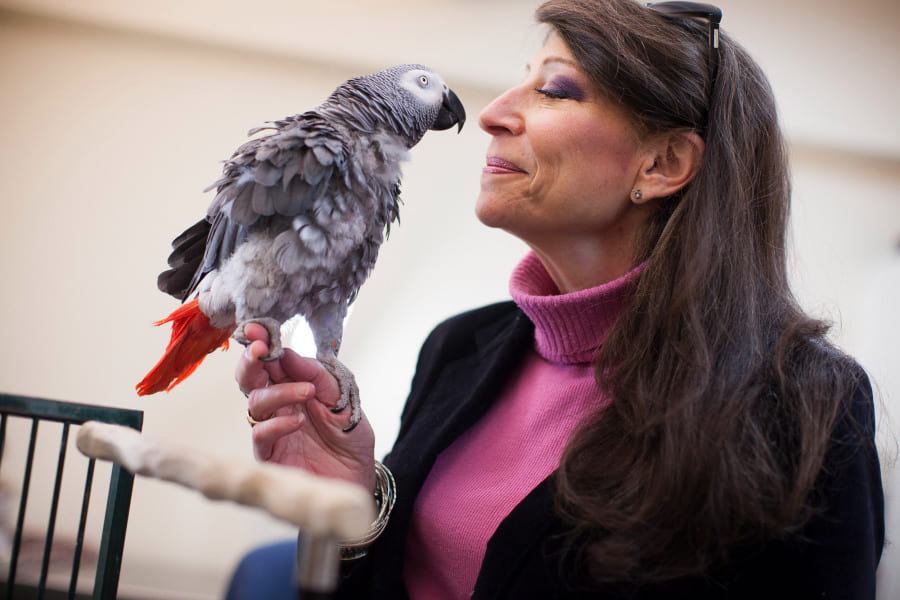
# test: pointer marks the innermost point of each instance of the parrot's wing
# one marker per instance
(187, 255)
(288, 173)
(284, 172)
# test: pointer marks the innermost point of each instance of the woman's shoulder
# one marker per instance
(843, 372)
(462, 332)
(479, 317)
(470, 343)
(834, 386)
(815, 368)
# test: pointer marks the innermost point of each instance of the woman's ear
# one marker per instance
(673, 159)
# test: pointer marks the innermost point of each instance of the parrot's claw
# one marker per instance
(273, 327)
(349, 390)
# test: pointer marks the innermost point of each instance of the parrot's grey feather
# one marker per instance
(266, 154)
(197, 231)
(262, 201)
(283, 200)
(234, 235)
(255, 130)
(242, 206)
(216, 237)
(291, 169)
(314, 171)
(266, 174)
(173, 282)
(190, 252)
(288, 252)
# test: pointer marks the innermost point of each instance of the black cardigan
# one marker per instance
(463, 367)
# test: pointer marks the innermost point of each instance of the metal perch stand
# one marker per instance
(324, 510)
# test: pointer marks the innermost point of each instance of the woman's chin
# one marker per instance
(488, 211)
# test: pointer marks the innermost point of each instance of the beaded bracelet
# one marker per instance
(385, 496)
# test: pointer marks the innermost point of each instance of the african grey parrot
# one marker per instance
(297, 221)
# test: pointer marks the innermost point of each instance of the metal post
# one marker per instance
(318, 566)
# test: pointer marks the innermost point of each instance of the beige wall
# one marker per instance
(109, 133)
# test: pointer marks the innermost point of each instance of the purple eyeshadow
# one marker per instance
(568, 87)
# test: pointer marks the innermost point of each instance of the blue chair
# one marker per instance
(266, 572)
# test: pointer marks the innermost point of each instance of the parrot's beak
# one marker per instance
(452, 112)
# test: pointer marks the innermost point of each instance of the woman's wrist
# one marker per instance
(385, 495)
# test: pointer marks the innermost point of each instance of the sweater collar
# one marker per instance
(569, 328)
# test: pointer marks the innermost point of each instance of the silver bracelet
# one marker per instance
(385, 496)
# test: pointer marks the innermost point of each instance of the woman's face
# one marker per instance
(562, 160)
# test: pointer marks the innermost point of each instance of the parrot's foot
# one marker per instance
(273, 327)
(349, 390)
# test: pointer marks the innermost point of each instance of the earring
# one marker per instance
(637, 195)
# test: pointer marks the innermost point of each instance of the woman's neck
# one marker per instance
(576, 267)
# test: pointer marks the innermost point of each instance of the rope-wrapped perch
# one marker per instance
(321, 506)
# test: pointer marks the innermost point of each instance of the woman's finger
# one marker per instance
(255, 331)
(301, 368)
(266, 433)
(265, 402)
(250, 372)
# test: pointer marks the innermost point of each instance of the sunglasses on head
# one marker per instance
(712, 14)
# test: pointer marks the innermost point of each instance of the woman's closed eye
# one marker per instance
(561, 88)
(554, 93)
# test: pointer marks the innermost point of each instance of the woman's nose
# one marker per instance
(503, 114)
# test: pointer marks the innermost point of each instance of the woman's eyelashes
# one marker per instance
(562, 88)
(553, 94)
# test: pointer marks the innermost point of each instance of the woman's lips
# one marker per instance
(499, 166)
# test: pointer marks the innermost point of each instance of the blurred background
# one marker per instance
(116, 114)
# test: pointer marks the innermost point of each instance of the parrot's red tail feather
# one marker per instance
(192, 339)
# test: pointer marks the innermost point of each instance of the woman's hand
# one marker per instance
(292, 399)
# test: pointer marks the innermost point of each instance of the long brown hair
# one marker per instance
(724, 392)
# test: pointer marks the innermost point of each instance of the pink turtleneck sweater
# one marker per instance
(485, 473)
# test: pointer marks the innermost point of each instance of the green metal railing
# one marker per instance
(109, 563)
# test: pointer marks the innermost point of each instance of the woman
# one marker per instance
(653, 416)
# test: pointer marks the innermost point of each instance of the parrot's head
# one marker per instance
(430, 95)
(413, 99)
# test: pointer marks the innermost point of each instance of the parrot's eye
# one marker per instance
(423, 81)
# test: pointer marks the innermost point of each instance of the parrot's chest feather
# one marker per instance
(251, 283)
